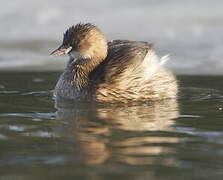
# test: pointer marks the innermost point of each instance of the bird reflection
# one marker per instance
(127, 133)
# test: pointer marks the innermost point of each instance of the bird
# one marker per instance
(111, 71)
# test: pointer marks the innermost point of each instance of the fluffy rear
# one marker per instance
(142, 79)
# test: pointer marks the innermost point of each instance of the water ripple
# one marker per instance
(30, 115)
(211, 136)
(9, 92)
(189, 116)
(37, 93)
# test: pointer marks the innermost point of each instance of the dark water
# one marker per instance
(164, 140)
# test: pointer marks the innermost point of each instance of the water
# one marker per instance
(165, 140)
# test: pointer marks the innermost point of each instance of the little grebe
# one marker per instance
(115, 71)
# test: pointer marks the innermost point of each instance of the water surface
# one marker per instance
(164, 140)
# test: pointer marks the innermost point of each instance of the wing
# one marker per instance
(122, 56)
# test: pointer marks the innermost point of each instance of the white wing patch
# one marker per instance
(164, 59)
(151, 64)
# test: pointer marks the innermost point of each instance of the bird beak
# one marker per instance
(61, 51)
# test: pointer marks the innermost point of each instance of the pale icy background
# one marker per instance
(191, 31)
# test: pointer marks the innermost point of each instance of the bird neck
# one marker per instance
(81, 68)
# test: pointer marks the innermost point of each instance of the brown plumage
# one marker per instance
(117, 71)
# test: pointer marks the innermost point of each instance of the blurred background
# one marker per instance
(190, 31)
